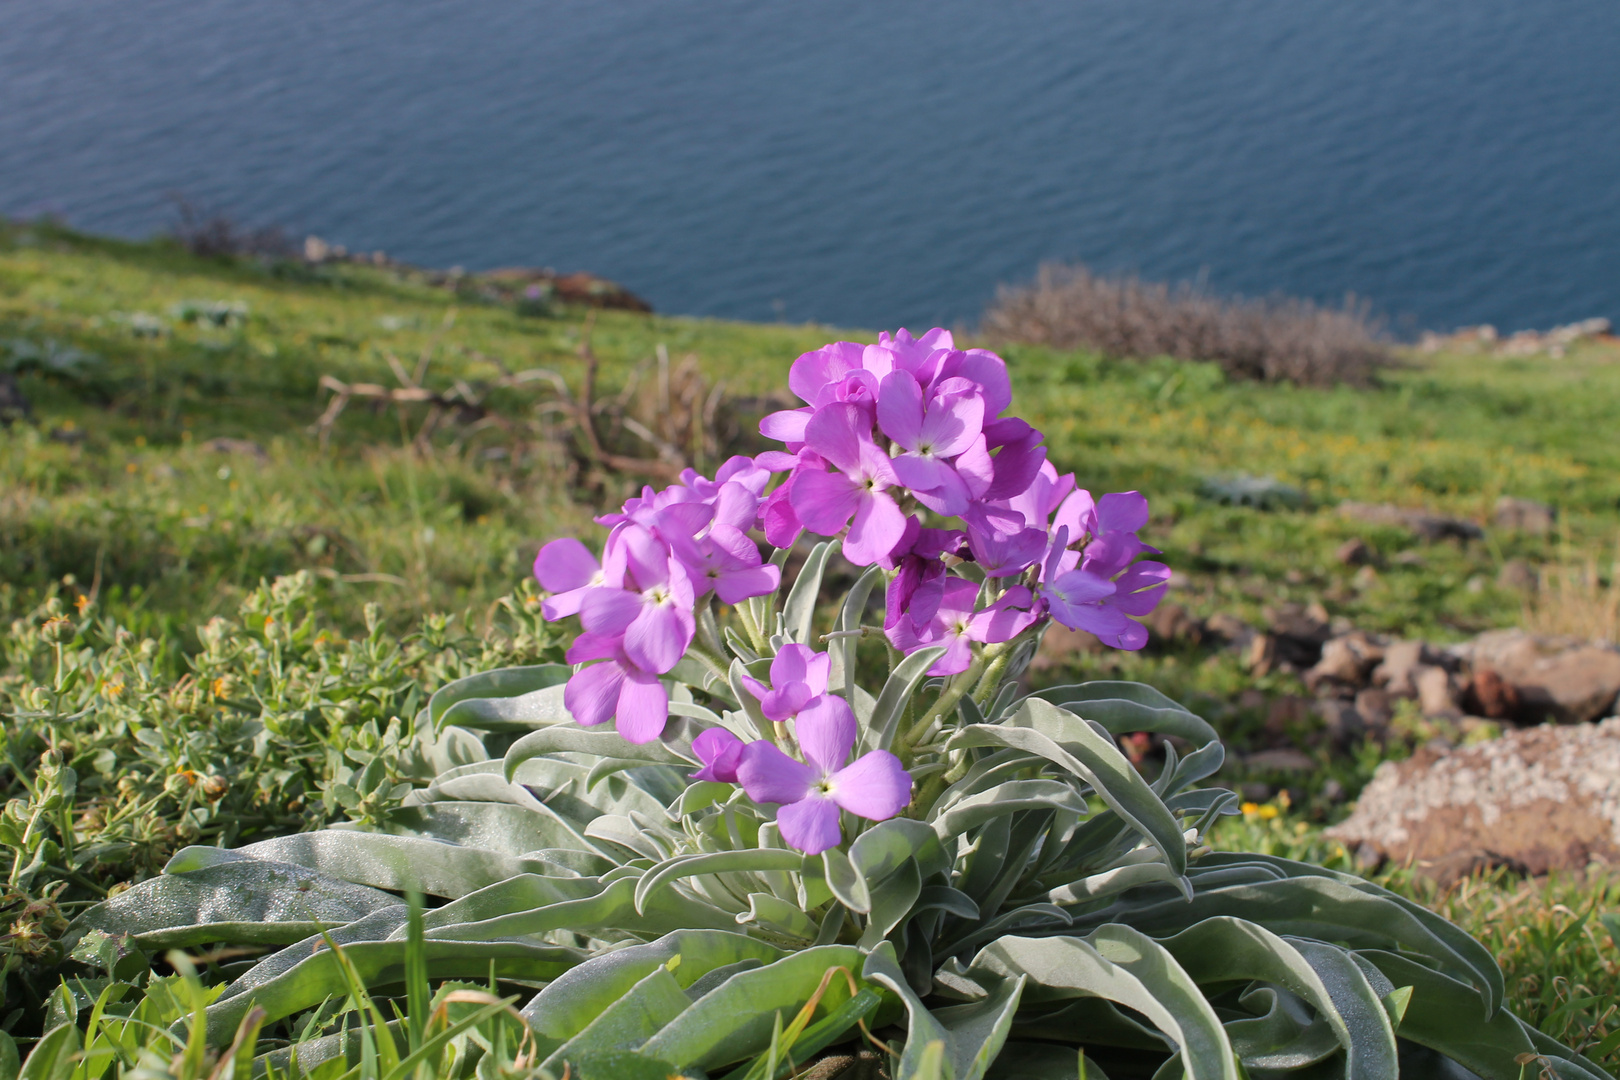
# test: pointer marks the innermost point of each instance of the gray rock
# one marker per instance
(1284, 760)
(1560, 679)
(1425, 523)
(1536, 799)
(1355, 552)
(1401, 661)
(1438, 694)
(1346, 660)
(1518, 575)
(1524, 515)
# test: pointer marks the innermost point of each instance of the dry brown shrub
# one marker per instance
(211, 234)
(1276, 339)
(1576, 598)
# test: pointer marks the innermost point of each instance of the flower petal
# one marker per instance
(720, 751)
(952, 423)
(836, 433)
(811, 824)
(658, 637)
(958, 655)
(647, 556)
(823, 502)
(589, 646)
(817, 672)
(875, 787)
(826, 732)
(739, 585)
(900, 408)
(564, 565)
(643, 707)
(792, 664)
(608, 611)
(786, 426)
(1125, 511)
(592, 695)
(770, 776)
(878, 527)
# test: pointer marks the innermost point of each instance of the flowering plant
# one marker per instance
(901, 453)
(790, 843)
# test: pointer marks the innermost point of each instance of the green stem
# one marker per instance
(756, 636)
(990, 682)
(948, 697)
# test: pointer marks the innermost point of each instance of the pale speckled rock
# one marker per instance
(1538, 799)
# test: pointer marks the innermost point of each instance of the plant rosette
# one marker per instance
(743, 825)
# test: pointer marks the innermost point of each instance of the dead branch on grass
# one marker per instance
(676, 415)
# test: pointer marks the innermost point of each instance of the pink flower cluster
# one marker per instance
(667, 551)
(914, 424)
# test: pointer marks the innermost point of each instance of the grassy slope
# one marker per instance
(171, 532)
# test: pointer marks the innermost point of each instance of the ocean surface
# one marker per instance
(856, 163)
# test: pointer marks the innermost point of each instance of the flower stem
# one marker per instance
(948, 697)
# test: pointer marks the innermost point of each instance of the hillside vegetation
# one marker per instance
(161, 467)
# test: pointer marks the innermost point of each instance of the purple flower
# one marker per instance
(1101, 593)
(725, 562)
(825, 502)
(919, 577)
(614, 690)
(956, 625)
(720, 751)
(798, 679)
(946, 463)
(567, 568)
(811, 793)
(653, 616)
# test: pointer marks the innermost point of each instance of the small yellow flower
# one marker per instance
(1267, 812)
(221, 686)
(1249, 808)
(81, 603)
(112, 689)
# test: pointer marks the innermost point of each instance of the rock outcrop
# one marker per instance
(1539, 799)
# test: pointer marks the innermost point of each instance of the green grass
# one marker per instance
(111, 494)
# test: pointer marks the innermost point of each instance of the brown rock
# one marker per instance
(1376, 707)
(1557, 679)
(1436, 693)
(1229, 627)
(1354, 552)
(1262, 655)
(1285, 712)
(1173, 622)
(1401, 661)
(1491, 696)
(1300, 632)
(1524, 515)
(1295, 621)
(1283, 760)
(1343, 724)
(1518, 575)
(244, 447)
(1426, 524)
(1538, 799)
(1347, 660)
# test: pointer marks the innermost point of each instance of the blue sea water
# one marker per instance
(859, 163)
